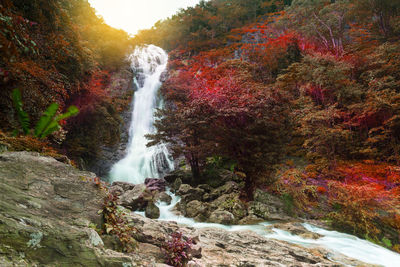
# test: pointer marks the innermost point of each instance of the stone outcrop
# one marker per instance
(47, 212)
(223, 204)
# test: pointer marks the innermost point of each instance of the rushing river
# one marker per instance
(148, 64)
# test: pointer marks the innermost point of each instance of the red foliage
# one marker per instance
(94, 90)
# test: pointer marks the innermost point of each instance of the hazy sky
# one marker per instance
(132, 15)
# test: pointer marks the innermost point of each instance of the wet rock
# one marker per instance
(251, 219)
(137, 198)
(296, 228)
(152, 211)
(189, 193)
(222, 217)
(267, 212)
(232, 203)
(175, 185)
(163, 197)
(195, 208)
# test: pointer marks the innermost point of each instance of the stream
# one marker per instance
(149, 63)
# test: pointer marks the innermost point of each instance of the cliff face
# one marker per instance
(46, 208)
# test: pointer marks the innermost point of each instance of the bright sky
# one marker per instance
(133, 15)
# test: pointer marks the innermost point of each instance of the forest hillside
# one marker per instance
(302, 98)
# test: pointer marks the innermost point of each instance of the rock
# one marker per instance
(232, 203)
(94, 238)
(220, 177)
(195, 251)
(195, 208)
(239, 248)
(184, 176)
(124, 185)
(163, 197)
(175, 185)
(189, 193)
(205, 187)
(227, 188)
(152, 211)
(296, 228)
(116, 190)
(222, 217)
(137, 198)
(155, 184)
(45, 209)
(267, 212)
(251, 219)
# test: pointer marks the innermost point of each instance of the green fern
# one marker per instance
(54, 125)
(48, 122)
(23, 117)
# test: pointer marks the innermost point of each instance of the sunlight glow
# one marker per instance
(134, 15)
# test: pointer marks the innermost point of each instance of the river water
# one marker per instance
(140, 162)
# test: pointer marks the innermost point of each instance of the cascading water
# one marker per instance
(140, 162)
(148, 63)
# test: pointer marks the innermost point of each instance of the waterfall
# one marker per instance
(148, 63)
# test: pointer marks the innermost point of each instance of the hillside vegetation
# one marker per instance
(61, 51)
(301, 98)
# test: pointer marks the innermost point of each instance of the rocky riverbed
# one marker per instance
(49, 210)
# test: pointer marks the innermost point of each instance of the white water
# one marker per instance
(142, 162)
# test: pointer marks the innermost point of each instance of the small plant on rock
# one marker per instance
(176, 249)
(116, 224)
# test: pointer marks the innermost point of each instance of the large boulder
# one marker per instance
(196, 209)
(124, 185)
(267, 207)
(152, 211)
(222, 217)
(46, 208)
(163, 197)
(175, 185)
(189, 193)
(137, 198)
(232, 204)
(227, 188)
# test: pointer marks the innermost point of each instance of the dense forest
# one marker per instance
(62, 52)
(300, 98)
